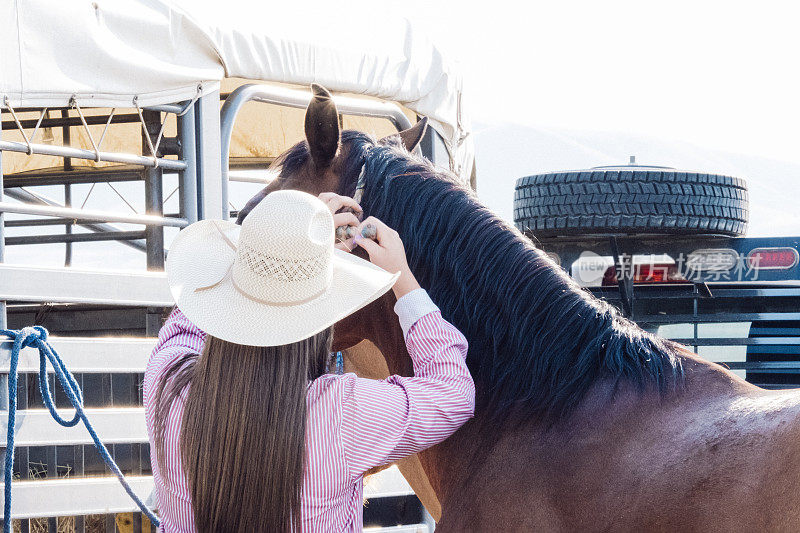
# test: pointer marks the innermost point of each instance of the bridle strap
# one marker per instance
(361, 184)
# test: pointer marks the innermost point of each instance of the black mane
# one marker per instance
(535, 337)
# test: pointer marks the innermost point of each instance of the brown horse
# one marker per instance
(584, 422)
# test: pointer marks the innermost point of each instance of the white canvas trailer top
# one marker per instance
(106, 53)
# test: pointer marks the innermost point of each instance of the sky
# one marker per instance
(722, 75)
(706, 86)
(700, 85)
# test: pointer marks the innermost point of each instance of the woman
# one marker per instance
(252, 434)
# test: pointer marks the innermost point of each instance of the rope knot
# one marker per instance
(31, 335)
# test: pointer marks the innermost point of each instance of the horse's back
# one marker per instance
(716, 455)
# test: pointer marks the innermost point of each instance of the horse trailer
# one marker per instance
(115, 146)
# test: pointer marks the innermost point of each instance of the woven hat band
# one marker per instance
(268, 278)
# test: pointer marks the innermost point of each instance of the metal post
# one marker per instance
(2, 235)
(154, 198)
(3, 322)
(67, 187)
(68, 226)
(211, 203)
(188, 178)
(624, 279)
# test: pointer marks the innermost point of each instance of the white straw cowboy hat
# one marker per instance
(276, 279)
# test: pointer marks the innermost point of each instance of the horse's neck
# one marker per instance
(485, 449)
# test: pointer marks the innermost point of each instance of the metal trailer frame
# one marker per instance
(769, 300)
(87, 302)
(285, 96)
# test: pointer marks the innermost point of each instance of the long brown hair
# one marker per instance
(242, 434)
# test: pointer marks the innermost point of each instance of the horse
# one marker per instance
(583, 421)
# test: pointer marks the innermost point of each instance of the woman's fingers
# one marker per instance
(382, 231)
(336, 202)
(345, 224)
(345, 219)
(372, 247)
(346, 201)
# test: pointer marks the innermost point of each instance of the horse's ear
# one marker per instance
(322, 127)
(413, 135)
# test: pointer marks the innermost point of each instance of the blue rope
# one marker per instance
(36, 336)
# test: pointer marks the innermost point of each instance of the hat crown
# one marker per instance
(285, 249)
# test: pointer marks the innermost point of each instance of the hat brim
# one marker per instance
(199, 257)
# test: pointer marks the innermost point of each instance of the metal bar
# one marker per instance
(213, 201)
(70, 285)
(665, 292)
(69, 238)
(792, 367)
(86, 355)
(153, 196)
(86, 214)
(285, 96)
(77, 153)
(3, 322)
(245, 178)
(77, 496)
(67, 141)
(250, 163)
(695, 325)
(188, 177)
(167, 108)
(713, 318)
(73, 319)
(27, 196)
(35, 222)
(91, 120)
(755, 341)
(68, 227)
(624, 282)
(79, 175)
(2, 230)
(113, 425)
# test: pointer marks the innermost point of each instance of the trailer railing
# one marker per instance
(285, 96)
(147, 168)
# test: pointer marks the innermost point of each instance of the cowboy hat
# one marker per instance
(276, 279)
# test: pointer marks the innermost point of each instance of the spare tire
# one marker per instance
(630, 200)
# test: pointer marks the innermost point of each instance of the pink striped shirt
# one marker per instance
(353, 424)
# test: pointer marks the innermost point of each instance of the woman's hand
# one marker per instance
(336, 202)
(387, 251)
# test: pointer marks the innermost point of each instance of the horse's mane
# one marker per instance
(536, 338)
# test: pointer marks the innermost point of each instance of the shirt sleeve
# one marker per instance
(177, 337)
(383, 421)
